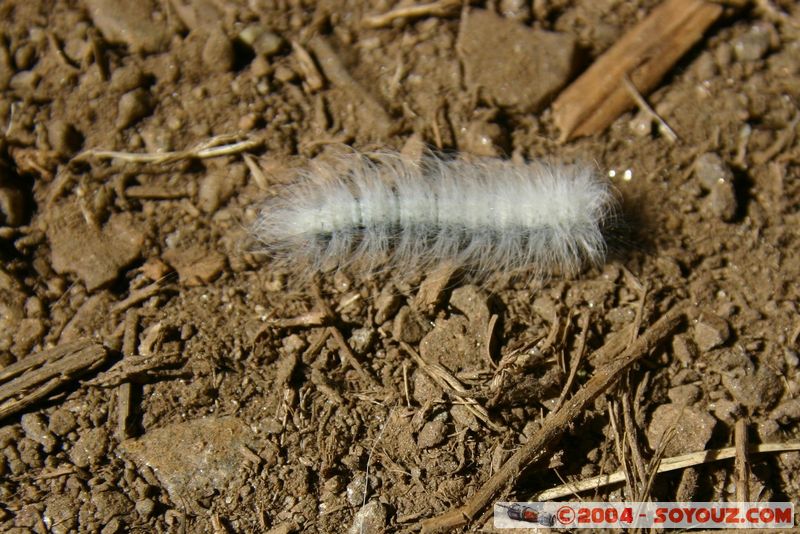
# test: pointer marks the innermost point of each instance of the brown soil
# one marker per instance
(215, 411)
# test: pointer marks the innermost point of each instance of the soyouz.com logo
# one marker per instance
(643, 515)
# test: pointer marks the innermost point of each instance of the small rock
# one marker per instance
(12, 207)
(361, 339)
(470, 301)
(29, 453)
(684, 349)
(110, 504)
(482, 138)
(511, 64)
(726, 411)
(519, 10)
(25, 56)
(193, 457)
(710, 331)
(62, 422)
(133, 106)
(463, 417)
(218, 54)
(370, 519)
(217, 187)
(355, 490)
(130, 23)
(433, 433)
(155, 269)
(722, 201)
(407, 326)
(90, 448)
(710, 169)
(263, 42)
(113, 526)
(63, 137)
(758, 390)
(127, 78)
(59, 514)
(196, 266)
(93, 312)
(424, 388)
(684, 395)
(36, 429)
(692, 429)
(25, 82)
(28, 334)
(95, 255)
(754, 43)
(294, 344)
(387, 303)
(145, 507)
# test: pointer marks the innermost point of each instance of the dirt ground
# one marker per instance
(191, 387)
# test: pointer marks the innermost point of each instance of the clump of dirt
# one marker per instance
(136, 145)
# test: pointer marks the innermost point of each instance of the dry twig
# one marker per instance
(556, 423)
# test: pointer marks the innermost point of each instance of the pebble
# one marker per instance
(59, 513)
(63, 137)
(90, 448)
(407, 326)
(370, 519)
(95, 255)
(130, 23)
(62, 422)
(759, 390)
(263, 42)
(387, 304)
(471, 302)
(722, 201)
(684, 395)
(35, 428)
(145, 507)
(754, 43)
(218, 53)
(482, 138)
(193, 457)
(424, 388)
(133, 106)
(710, 169)
(110, 504)
(684, 349)
(433, 433)
(12, 207)
(692, 429)
(710, 331)
(196, 266)
(716, 177)
(361, 339)
(126, 78)
(25, 56)
(512, 64)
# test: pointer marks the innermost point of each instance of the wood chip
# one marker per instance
(645, 54)
(35, 377)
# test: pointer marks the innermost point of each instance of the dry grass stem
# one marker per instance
(440, 8)
(221, 145)
(667, 464)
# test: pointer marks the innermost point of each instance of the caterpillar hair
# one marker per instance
(384, 211)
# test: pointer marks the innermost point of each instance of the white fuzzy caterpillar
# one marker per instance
(485, 216)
